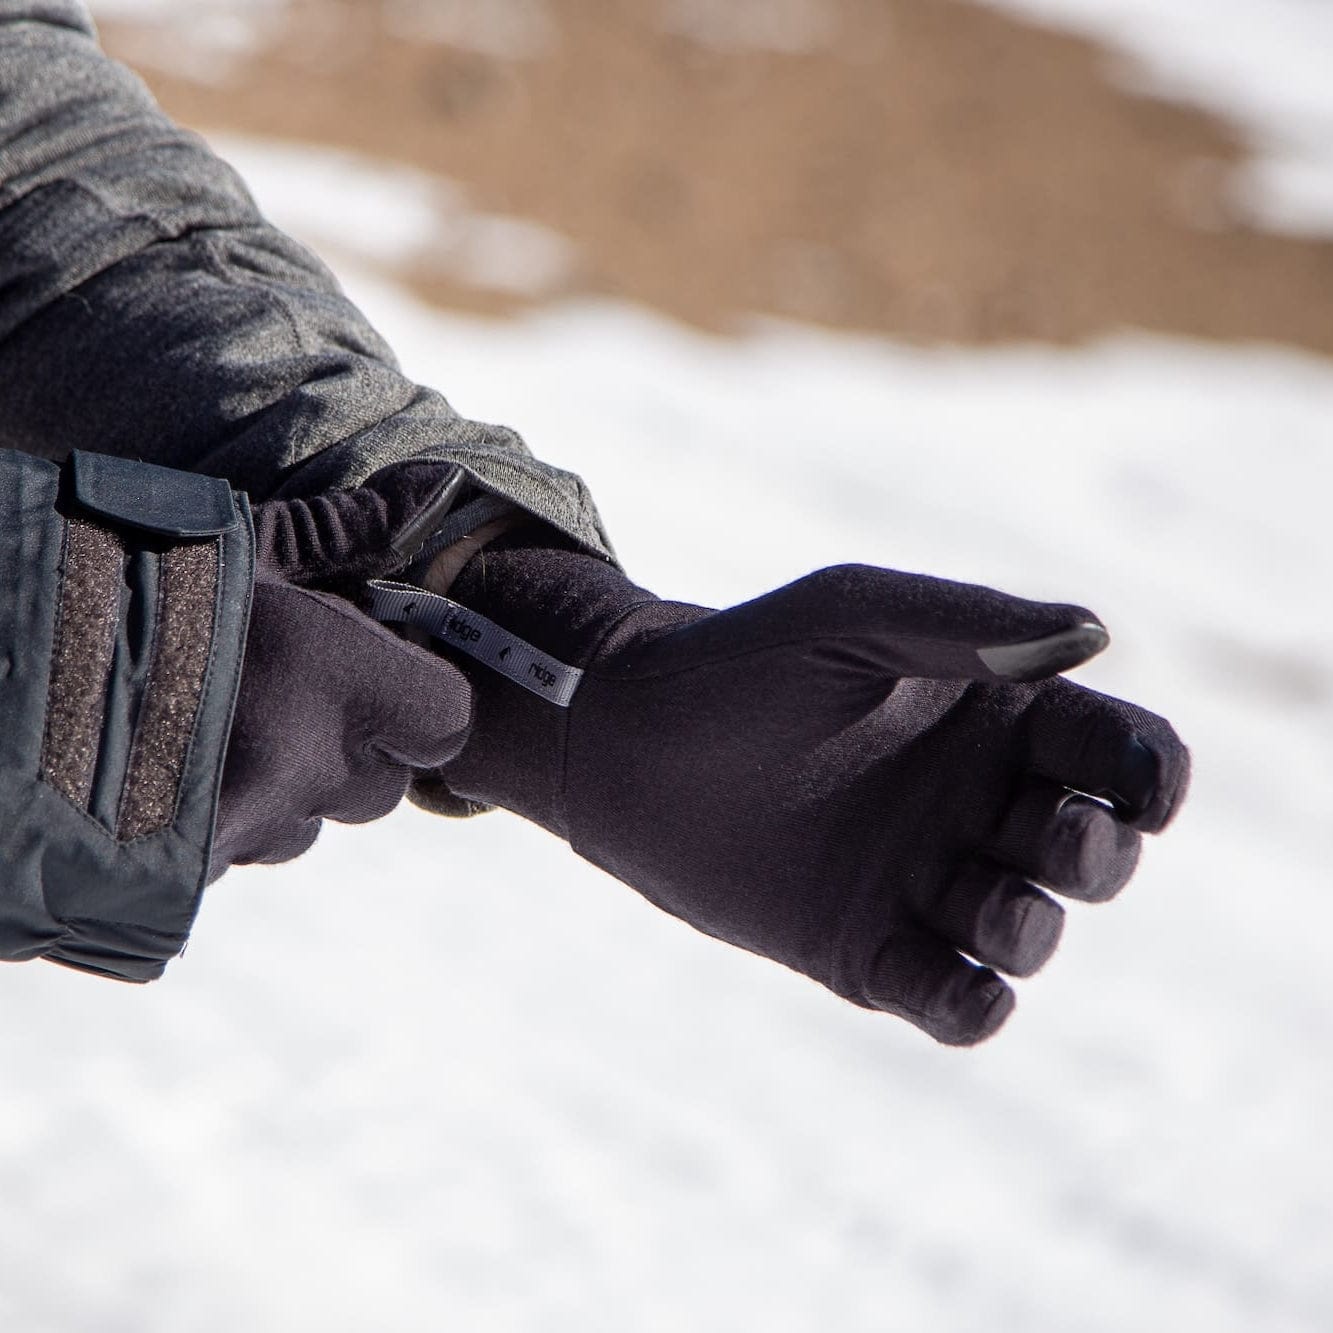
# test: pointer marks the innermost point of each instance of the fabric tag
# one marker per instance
(483, 639)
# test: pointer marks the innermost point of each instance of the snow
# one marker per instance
(532, 1103)
(1262, 63)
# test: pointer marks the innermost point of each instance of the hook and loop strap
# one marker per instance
(480, 638)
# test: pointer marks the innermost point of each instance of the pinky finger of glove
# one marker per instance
(920, 978)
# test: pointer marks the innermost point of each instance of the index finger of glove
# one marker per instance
(409, 705)
(915, 625)
(1111, 749)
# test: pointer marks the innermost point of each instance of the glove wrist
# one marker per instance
(559, 599)
(562, 600)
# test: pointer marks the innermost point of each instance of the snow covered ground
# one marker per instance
(540, 1105)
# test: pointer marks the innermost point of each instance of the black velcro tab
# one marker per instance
(155, 499)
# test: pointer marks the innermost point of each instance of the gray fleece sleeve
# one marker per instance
(148, 309)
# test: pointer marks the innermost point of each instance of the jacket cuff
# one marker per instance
(123, 636)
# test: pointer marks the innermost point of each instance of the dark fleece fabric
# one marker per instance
(335, 712)
(829, 775)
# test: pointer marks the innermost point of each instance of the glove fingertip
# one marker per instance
(988, 1007)
(1171, 779)
(1048, 654)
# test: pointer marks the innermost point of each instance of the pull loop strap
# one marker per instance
(480, 638)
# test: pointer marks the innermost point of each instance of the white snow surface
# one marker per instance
(445, 1075)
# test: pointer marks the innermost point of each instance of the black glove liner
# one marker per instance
(855, 775)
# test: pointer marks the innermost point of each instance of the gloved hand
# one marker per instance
(334, 711)
(864, 775)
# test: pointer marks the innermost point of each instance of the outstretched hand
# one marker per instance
(872, 777)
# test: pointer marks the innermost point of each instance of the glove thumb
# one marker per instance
(409, 705)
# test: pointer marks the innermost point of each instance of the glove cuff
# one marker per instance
(548, 592)
(542, 589)
(337, 540)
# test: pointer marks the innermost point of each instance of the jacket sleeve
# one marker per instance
(147, 308)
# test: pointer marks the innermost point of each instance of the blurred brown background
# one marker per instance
(926, 169)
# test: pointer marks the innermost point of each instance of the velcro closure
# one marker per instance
(152, 498)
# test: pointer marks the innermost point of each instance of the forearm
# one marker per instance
(91, 171)
(148, 309)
